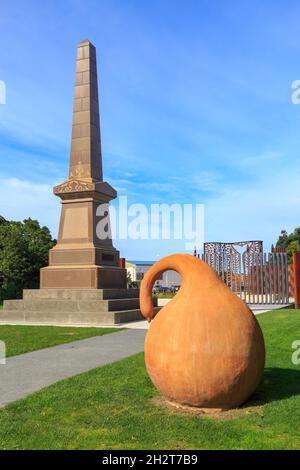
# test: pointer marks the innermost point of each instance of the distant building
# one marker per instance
(137, 270)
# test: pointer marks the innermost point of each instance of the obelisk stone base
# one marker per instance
(89, 277)
(76, 307)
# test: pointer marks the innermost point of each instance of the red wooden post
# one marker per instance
(296, 266)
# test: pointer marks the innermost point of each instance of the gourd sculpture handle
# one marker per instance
(205, 347)
(154, 273)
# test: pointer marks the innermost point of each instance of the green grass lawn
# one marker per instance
(112, 408)
(21, 339)
(164, 295)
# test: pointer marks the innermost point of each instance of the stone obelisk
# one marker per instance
(83, 284)
(81, 259)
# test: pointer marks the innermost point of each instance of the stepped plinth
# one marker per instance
(84, 283)
(82, 307)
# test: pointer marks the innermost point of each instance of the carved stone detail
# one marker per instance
(74, 186)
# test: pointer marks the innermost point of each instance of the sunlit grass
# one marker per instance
(112, 408)
(20, 339)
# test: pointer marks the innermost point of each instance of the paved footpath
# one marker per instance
(27, 373)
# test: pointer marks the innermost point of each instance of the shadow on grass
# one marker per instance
(277, 384)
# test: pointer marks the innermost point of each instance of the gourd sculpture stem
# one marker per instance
(205, 347)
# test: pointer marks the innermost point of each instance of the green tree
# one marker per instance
(24, 248)
(128, 279)
(132, 284)
(290, 242)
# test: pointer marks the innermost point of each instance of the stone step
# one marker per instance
(49, 305)
(70, 318)
(79, 294)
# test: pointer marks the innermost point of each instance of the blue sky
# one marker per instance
(195, 104)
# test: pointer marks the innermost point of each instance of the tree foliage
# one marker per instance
(24, 248)
(290, 242)
(132, 284)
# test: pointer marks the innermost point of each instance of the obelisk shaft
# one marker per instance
(85, 157)
(82, 257)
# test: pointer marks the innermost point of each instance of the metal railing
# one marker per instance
(257, 278)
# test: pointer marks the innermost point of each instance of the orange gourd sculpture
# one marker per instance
(205, 347)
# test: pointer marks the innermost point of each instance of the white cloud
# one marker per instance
(264, 158)
(257, 212)
(20, 199)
